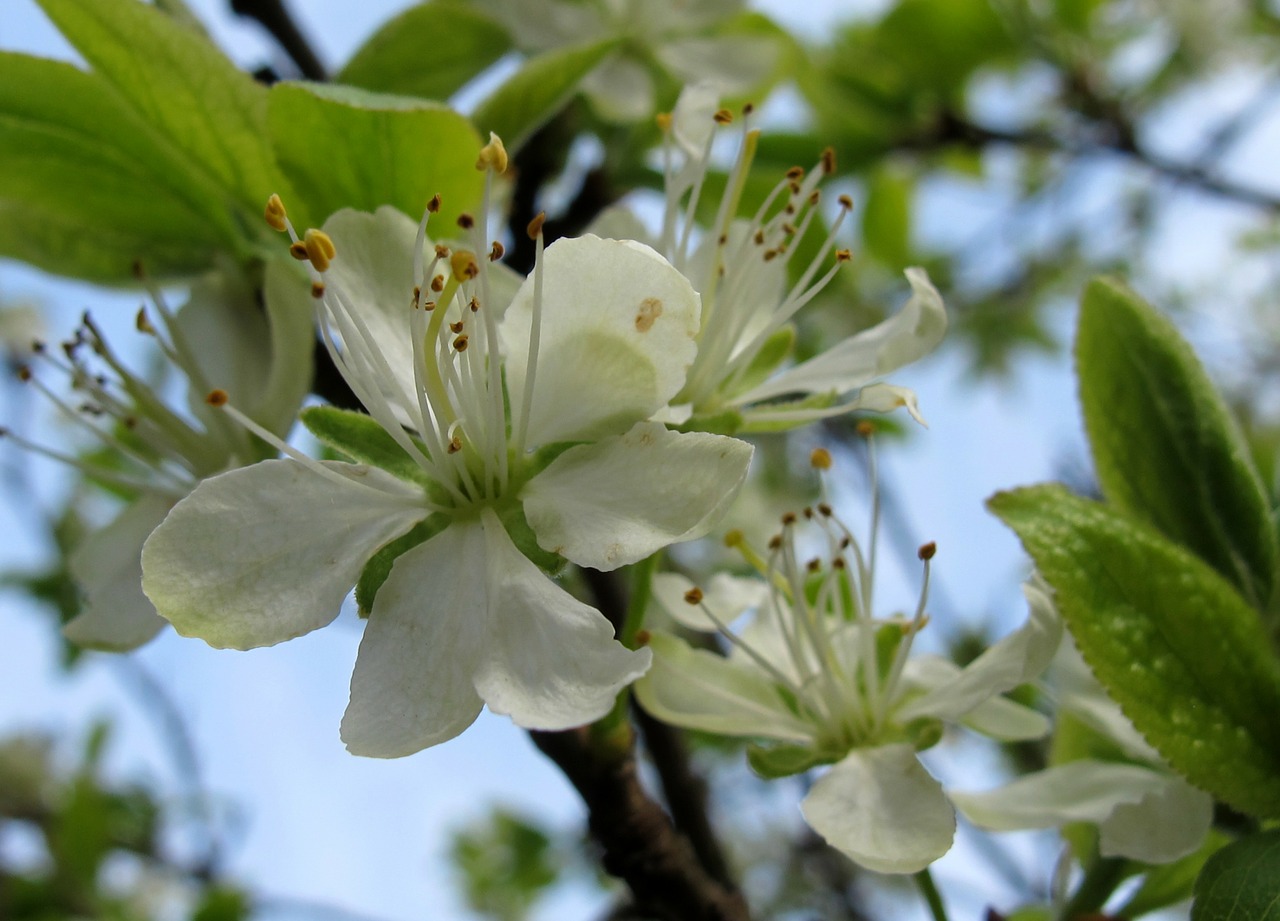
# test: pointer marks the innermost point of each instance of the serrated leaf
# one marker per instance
(406, 54)
(1241, 882)
(379, 566)
(362, 439)
(348, 148)
(1171, 640)
(886, 218)
(88, 187)
(539, 89)
(184, 87)
(1164, 443)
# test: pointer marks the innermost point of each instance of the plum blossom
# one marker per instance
(822, 681)
(479, 478)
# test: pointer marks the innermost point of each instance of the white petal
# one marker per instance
(1017, 659)
(728, 597)
(692, 120)
(698, 689)
(114, 614)
(265, 553)
(883, 810)
(1162, 827)
(619, 223)
(911, 333)
(735, 64)
(620, 90)
(1007, 720)
(618, 501)
(876, 398)
(1079, 791)
(552, 662)
(617, 337)
(374, 269)
(413, 684)
(291, 316)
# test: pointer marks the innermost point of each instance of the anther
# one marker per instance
(460, 344)
(845, 202)
(820, 459)
(775, 542)
(723, 117)
(642, 637)
(759, 238)
(320, 248)
(748, 108)
(474, 304)
(927, 551)
(734, 538)
(456, 327)
(136, 268)
(142, 323)
(824, 510)
(433, 206)
(466, 221)
(866, 428)
(496, 251)
(839, 563)
(298, 250)
(455, 445)
(693, 596)
(442, 251)
(464, 264)
(829, 160)
(663, 120)
(788, 519)
(814, 197)
(796, 173)
(24, 373)
(813, 566)
(807, 511)
(844, 255)
(317, 289)
(534, 230)
(437, 284)
(493, 155)
(217, 398)
(275, 213)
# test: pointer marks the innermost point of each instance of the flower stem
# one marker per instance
(924, 882)
(1100, 881)
(641, 592)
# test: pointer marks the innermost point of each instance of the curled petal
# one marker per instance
(1163, 826)
(883, 810)
(612, 503)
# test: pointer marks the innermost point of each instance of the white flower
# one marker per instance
(157, 453)
(817, 674)
(680, 39)
(1143, 810)
(597, 339)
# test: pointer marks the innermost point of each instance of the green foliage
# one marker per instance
(506, 863)
(537, 91)
(1172, 641)
(430, 50)
(1165, 446)
(349, 148)
(886, 218)
(1240, 882)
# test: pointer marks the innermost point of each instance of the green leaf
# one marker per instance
(88, 187)
(348, 148)
(1171, 883)
(362, 439)
(379, 566)
(775, 761)
(407, 55)
(537, 91)
(1164, 443)
(1241, 882)
(1172, 641)
(182, 86)
(886, 218)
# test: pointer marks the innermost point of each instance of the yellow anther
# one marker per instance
(734, 538)
(664, 121)
(820, 459)
(217, 398)
(464, 264)
(320, 248)
(298, 250)
(693, 596)
(723, 117)
(535, 226)
(493, 155)
(866, 428)
(275, 213)
(843, 255)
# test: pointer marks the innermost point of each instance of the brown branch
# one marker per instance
(641, 846)
(276, 20)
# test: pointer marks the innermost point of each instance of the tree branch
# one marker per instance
(276, 20)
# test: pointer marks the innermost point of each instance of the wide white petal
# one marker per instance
(620, 90)
(876, 398)
(617, 337)
(1007, 720)
(698, 689)
(551, 662)
(1016, 659)
(413, 684)
(612, 503)
(1161, 827)
(882, 809)
(374, 269)
(265, 553)
(728, 598)
(1078, 791)
(735, 64)
(911, 333)
(114, 614)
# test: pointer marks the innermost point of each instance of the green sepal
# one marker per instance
(537, 91)
(812, 401)
(1172, 641)
(512, 517)
(396, 59)
(1171, 883)
(772, 353)
(375, 572)
(888, 639)
(1165, 445)
(1240, 882)
(362, 439)
(727, 422)
(774, 761)
(923, 733)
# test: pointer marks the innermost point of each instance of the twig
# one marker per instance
(276, 19)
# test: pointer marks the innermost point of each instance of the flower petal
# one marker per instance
(735, 64)
(882, 809)
(612, 503)
(551, 662)
(1161, 827)
(114, 614)
(617, 337)
(620, 90)
(698, 689)
(413, 684)
(911, 333)
(265, 553)
(728, 597)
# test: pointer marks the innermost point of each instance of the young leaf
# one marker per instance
(348, 148)
(1240, 882)
(406, 57)
(1173, 642)
(1164, 443)
(539, 89)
